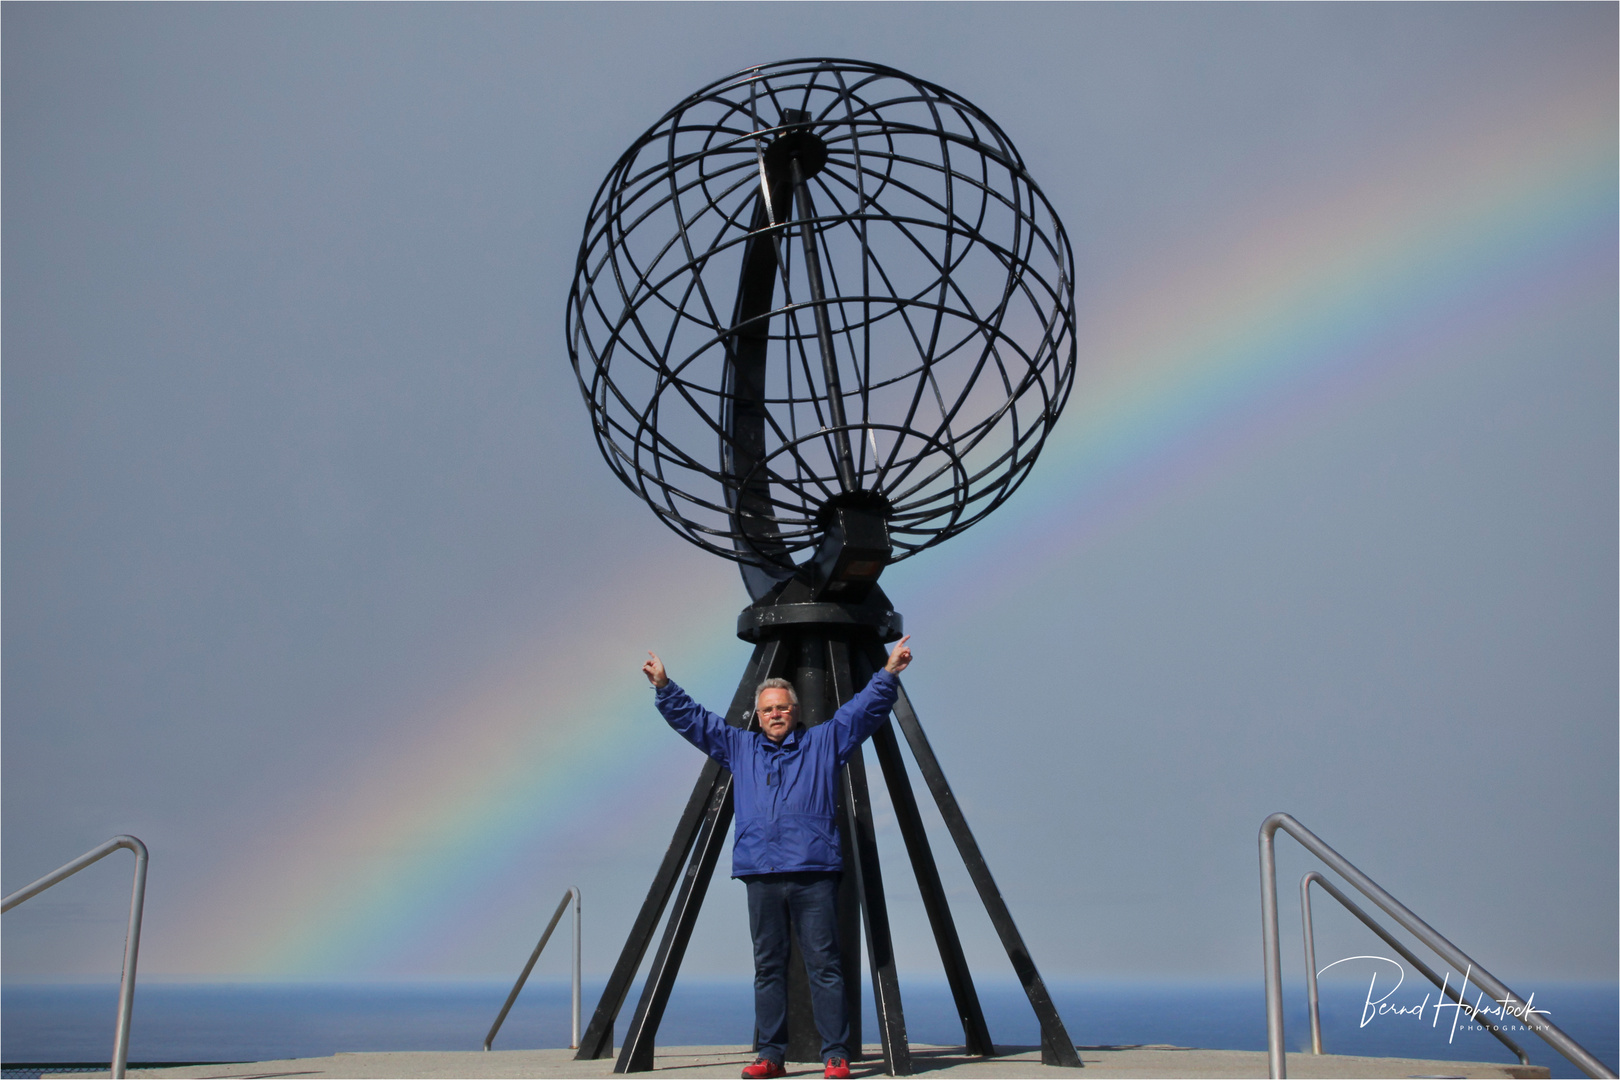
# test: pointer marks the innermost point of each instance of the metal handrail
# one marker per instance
(1425, 933)
(571, 894)
(1444, 985)
(132, 938)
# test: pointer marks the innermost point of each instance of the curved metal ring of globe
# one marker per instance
(814, 285)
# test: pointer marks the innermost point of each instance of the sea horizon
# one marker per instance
(192, 1020)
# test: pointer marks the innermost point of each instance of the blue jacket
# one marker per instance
(787, 795)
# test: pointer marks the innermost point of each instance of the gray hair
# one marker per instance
(776, 684)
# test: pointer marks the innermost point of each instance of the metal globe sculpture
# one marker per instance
(818, 283)
(823, 319)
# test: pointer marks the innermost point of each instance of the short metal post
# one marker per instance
(574, 1026)
(132, 952)
(1310, 963)
(571, 895)
(132, 937)
(1271, 953)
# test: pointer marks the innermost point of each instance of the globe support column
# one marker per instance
(890, 217)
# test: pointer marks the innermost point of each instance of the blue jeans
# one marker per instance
(808, 902)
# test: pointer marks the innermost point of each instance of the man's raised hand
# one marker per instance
(654, 670)
(900, 657)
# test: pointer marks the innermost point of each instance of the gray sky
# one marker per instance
(305, 532)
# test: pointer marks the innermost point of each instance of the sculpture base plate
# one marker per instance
(757, 624)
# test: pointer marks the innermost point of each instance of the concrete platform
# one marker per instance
(930, 1061)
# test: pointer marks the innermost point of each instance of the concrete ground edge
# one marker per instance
(1139, 1062)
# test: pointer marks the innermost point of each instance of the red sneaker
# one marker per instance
(837, 1069)
(765, 1069)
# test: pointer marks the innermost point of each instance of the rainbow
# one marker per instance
(1286, 310)
(333, 887)
(1435, 249)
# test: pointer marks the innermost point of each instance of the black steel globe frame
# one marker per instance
(895, 297)
(843, 278)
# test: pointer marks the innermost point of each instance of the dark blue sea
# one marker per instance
(253, 1022)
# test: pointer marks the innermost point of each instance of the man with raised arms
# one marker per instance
(785, 784)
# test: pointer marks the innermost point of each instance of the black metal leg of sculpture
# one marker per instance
(849, 934)
(597, 1041)
(975, 1033)
(869, 882)
(637, 1054)
(875, 916)
(1056, 1046)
